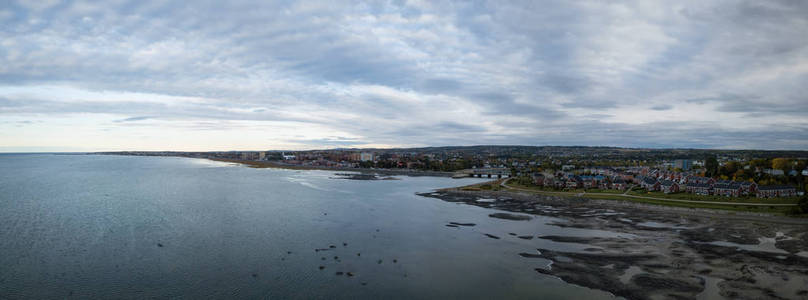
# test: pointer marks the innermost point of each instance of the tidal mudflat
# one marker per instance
(661, 252)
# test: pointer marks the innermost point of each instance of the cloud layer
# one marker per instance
(126, 75)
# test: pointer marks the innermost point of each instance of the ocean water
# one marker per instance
(93, 226)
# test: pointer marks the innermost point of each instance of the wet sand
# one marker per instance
(668, 253)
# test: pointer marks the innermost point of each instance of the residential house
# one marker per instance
(589, 182)
(669, 186)
(538, 179)
(774, 172)
(549, 181)
(727, 189)
(619, 184)
(770, 191)
(650, 183)
(699, 179)
(699, 188)
(748, 188)
(574, 182)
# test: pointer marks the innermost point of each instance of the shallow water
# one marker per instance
(629, 273)
(711, 290)
(765, 245)
(87, 226)
(652, 224)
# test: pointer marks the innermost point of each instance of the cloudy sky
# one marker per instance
(230, 75)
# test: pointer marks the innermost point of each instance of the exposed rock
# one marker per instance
(530, 255)
(491, 236)
(462, 224)
(513, 217)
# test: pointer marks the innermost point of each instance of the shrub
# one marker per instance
(801, 208)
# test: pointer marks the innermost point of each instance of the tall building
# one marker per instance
(683, 164)
(366, 156)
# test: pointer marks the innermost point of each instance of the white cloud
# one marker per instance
(419, 73)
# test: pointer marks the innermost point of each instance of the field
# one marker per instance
(745, 204)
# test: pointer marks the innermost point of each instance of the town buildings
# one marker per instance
(776, 191)
(682, 164)
(668, 171)
(668, 186)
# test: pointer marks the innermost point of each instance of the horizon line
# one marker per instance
(401, 148)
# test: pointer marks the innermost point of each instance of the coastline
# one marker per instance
(565, 200)
(388, 172)
(750, 208)
(275, 165)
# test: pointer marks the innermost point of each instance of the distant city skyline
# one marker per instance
(210, 76)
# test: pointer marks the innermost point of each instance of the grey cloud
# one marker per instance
(565, 84)
(454, 126)
(440, 85)
(328, 142)
(662, 107)
(785, 104)
(590, 103)
(148, 109)
(443, 130)
(133, 119)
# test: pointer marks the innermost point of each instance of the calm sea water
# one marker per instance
(85, 226)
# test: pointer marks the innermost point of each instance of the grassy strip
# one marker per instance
(619, 197)
(493, 185)
(774, 210)
(743, 208)
(677, 196)
(686, 196)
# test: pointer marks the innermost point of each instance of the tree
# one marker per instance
(803, 204)
(732, 167)
(711, 166)
(739, 175)
(780, 164)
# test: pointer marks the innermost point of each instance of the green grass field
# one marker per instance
(599, 194)
(687, 196)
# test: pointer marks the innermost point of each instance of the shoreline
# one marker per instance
(649, 203)
(274, 165)
(625, 204)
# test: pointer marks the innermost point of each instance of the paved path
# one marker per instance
(504, 185)
(628, 189)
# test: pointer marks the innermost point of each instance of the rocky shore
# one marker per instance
(664, 252)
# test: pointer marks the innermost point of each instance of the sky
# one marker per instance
(250, 75)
